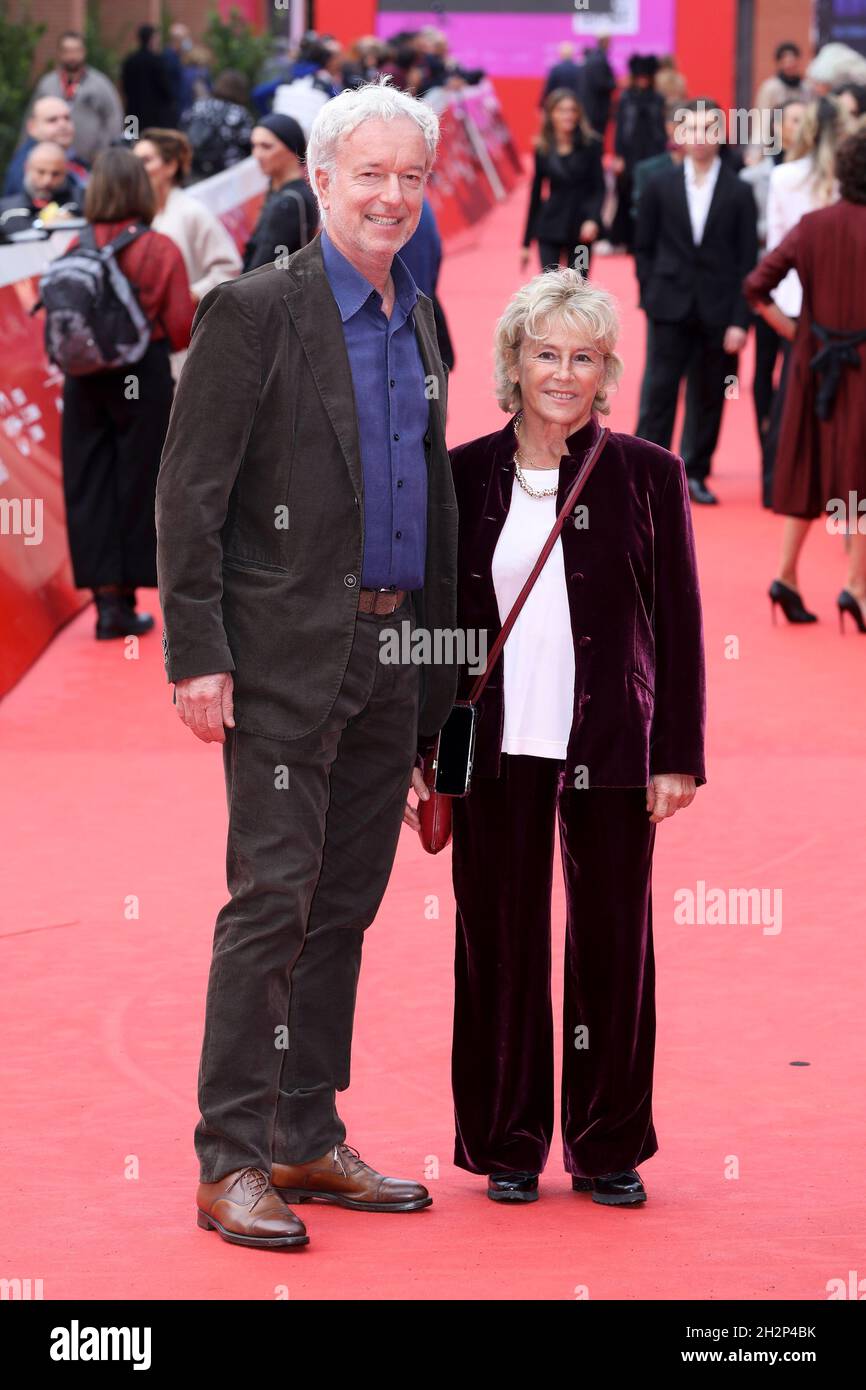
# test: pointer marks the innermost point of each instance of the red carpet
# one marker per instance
(108, 802)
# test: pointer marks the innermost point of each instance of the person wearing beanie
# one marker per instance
(640, 134)
(289, 217)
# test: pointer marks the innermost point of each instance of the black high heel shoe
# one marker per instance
(790, 603)
(847, 603)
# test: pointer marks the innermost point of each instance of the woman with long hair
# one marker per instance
(821, 462)
(568, 162)
(805, 182)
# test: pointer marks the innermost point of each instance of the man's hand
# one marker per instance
(205, 705)
(588, 232)
(734, 339)
(410, 814)
(667, 793)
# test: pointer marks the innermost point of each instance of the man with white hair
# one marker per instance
(49, 119)
(305, 510)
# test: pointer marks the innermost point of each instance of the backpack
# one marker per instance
(93, 321)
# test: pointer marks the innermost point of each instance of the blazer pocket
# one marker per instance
(236, 562)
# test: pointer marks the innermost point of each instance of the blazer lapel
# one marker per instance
(425, 334)
(682, 203)
(317, 321)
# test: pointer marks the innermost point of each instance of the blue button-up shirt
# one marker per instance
(392, 411)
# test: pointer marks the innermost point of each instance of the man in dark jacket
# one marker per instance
(306, 513)
(598, 85)
(147, 84)
(48, 188)
(566, 74)
(696, 241)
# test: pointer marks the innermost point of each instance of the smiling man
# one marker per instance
(305, 502)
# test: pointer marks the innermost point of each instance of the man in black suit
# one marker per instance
(696, 241)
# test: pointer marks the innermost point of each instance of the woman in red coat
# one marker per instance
(112, 435)
(821, 459)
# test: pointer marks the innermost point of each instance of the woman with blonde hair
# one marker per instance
(568, 164)
(805, 182)
(593, 718)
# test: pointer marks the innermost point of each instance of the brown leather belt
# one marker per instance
(380, 600)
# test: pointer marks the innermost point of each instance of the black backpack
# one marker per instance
(93, 322)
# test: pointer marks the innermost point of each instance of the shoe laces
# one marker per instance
(254, 1181)
(355, 1159)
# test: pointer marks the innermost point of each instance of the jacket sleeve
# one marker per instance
(215, 252)
(211, 419)
(596, 190)
(646, 234)
(280, 226)
(178, 307)
(747, 249)
(534, 200)
(677, 739)
(772, 269)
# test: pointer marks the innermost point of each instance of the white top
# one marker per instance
(791, 195)
(208, 251)
(539, 653)
(700, 196)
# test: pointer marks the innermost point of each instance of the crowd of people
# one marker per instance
(640, 167)
(114, 158)
(697, 206)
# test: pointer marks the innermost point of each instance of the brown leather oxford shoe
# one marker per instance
(342, 1177)
(246, 1210)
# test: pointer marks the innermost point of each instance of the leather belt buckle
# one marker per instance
(380, 601)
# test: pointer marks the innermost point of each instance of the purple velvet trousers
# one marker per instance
(502, 1059)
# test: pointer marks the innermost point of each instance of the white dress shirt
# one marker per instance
(538, 689)
(700, 196)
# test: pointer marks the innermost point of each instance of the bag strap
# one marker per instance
(577, 488)
(124, 238)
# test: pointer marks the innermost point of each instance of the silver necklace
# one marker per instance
(519, 473)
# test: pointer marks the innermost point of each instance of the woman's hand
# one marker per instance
(667, 793)
(771, 313)
(588, 232)
(524, 257)
(410, 814)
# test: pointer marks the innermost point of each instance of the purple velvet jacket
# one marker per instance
(634, 598)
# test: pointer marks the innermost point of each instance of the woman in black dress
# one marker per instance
(568, 161)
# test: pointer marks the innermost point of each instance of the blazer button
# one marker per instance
(350, 581)
(577, 576)
(584, 641)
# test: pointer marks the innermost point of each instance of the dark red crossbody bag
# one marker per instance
(447, 768)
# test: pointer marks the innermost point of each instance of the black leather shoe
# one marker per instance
(512, 1187)
(623, 1189)
(115, 618)
(699, 492)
